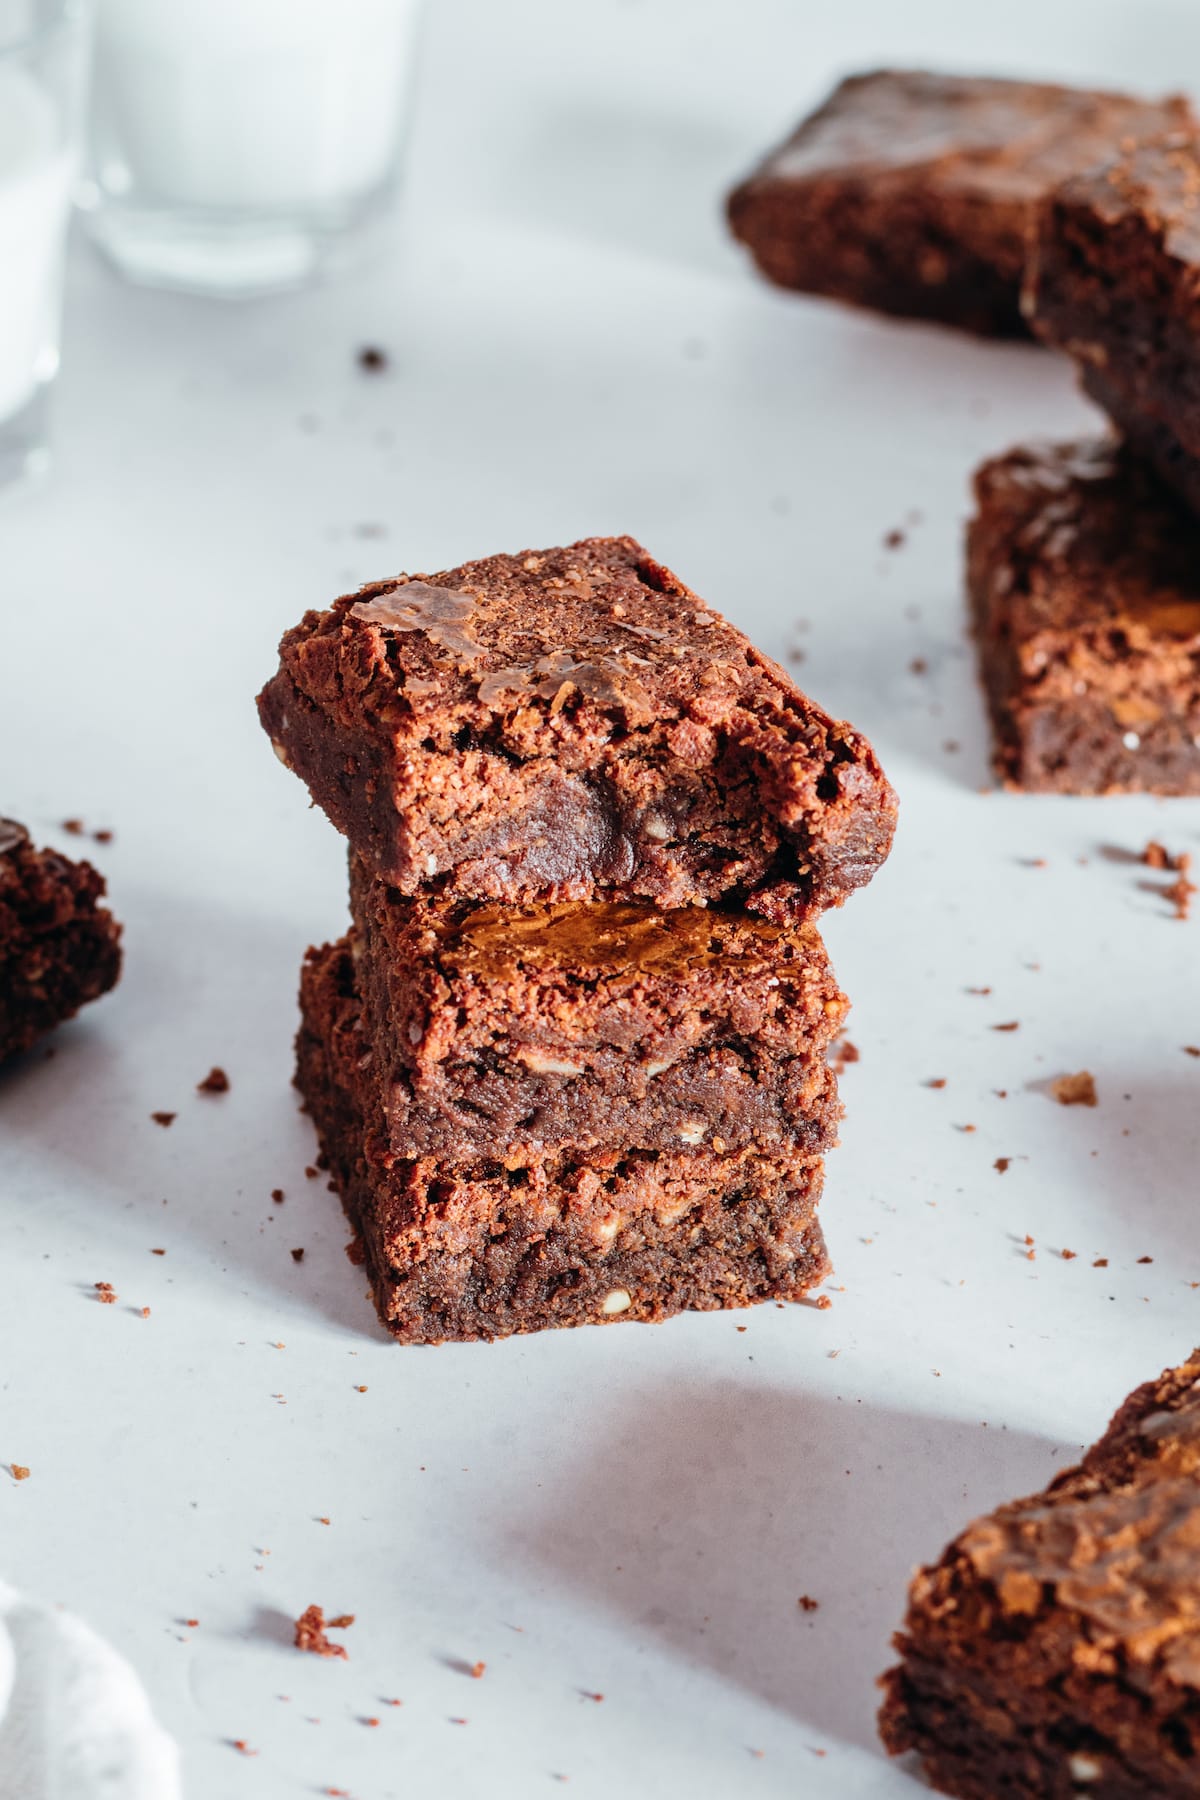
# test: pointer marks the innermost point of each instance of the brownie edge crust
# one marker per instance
(484, 1250)
(59, 947)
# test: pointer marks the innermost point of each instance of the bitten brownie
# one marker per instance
(1114, 279)
(1055, 1649)
(1084, 582)
(59, 948)
(573, 724)
(486, 1248)
(912, 192)
(583, 1024)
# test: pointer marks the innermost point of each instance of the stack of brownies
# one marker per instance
(570, 1063)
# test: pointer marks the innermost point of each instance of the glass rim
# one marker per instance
(65, 15)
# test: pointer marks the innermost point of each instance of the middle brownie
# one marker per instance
(593, 1024)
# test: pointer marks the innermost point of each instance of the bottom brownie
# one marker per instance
(483, 1250)
(1054, 1651)
(59, 948)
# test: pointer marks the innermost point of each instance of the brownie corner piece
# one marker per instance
(910, 191)
(573, 723)
(1054, 1649)
(488, 1248)
(59, 947)
(1083, 578)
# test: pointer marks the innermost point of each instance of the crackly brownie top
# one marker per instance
(1115, 1540)
(1088, 538)
(1156, 182)
(1015, 137)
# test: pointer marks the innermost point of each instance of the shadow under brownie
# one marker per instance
(59, 947)
(443, 727)
(585, 1024)
(483, 1249)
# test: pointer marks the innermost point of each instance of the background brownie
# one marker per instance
(59, 948)
(571, 724)
(583, 1023)
(911, 192)
(1114, 280)
(1084, 580)
(484, 1249)
(1055, 1648)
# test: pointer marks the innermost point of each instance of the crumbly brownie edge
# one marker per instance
(59, 947)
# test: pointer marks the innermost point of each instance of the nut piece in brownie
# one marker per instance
(1114, 280)
(911, 192)
(580, 1024)
(568, 725)
(59, 948)
(486, 1248)
(1055, 1649)
(1084, 581)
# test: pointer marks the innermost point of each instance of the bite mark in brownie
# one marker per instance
(1054, 1650)
(585, 1024)
(912, 192)
(1084, 583)
(490, 1247)
(572, 724)
(1114, 280)
(59, 948)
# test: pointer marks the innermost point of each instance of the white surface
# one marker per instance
(627, 1510)
(74, 1720)
(35, 184)
(244, 103)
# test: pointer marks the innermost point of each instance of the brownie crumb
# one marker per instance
(311, 1173)
(1101, 1262)
(1074, 1090)
(372, 359)
(158, 1253)
(243, 1748)
(215, 1082)
(894, 539)
(163, 1118)
(938, 1081)
(844, 1053)
(477, 1671)
(74, 826)
(106, 1293)
(1011, 1025)
(1180, 896)
(1068, 1255)
(1157, 856)
(1145, 1259)
(1191, 1049)
(1001, 1164)
(104, 836)
(311, 1628)
(19, 1471)
(807, 1604)
(297, 1256)
(277, 1196)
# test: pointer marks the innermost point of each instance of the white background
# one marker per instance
(634, 1511)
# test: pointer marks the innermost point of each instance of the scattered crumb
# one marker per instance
(1068, 1255)
(1191, 1049)
(939, 1081)
(844, 1053)
(104, 836)
(918, 666)
(158, 1253)
(143, 1312)
(807, 1604)
(1012, 1025)
(1145, 1259)
(277, 1196)
(310, 1632)
(1001, 1164)
(297, 1255)
(163, 1118)
(822, 1303)
(190, 1623)
(372, 359)
(586, 1695)
(966, 1128)
(360, 1390)
(1074, 1090)
(977, 990)
(74, 826)
(1101, 1262)
(243, 1748)
(311, 1173)
(215, 1082)
(1180, 895)
(18, 1471)
(393, 1702)
(894, 539)
(1157, 856)
(477, 1671)
(370, 1721)
(106, 1293)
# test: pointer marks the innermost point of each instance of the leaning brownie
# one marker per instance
(1084, 579)
(59, 948)
(912, 192)
(576, 1024)
(494, 1246)
(567, 725)
(1055, 1649)
(1114, 279)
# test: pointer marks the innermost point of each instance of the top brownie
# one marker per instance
(912, 192)
(1114, 279)
(573, 724)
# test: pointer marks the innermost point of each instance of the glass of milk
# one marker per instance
(240, 146)
(43, 69)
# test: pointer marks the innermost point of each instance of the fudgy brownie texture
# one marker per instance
(912, 192)
(491, 1247)
(582, 1024)
(1084, 581)
(1114, 280)
(59, 948)
(573, 724)
(1055, 1649)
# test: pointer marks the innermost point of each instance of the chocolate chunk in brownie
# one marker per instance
(1084, 580)
(912, 192)
(1114, 280)
(568, 725)
(583, 1024)
(1054, 1651)
(59, 948)
(498, 1245)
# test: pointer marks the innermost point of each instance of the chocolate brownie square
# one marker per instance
(1114, 280)
(59, 948)
(912, 192)
(582, 1024)
(1084, 581)
(1054, 1651)
(498, 1245)
(573, 724)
